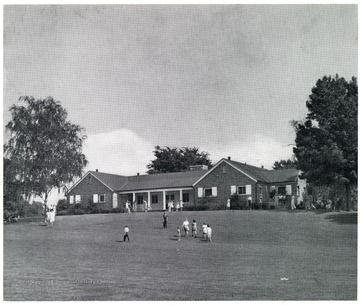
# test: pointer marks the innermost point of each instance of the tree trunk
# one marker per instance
(347, 203)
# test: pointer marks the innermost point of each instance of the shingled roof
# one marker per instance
(114, 181)
(163, 180)
(265, 175)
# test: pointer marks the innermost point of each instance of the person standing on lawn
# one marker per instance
(293, 202)
(209, 233)
(186, 227)
(52, 215)
(228, 204)
(181, 205)
(178, 233)
(204, 230)
(194, 229)
(126, 231)
(127, 207)
(165, 219)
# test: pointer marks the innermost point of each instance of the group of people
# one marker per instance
(178, 206)
(132, 207)
(206, 229)
(50, 212)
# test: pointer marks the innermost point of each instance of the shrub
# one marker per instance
(236, 202)
(62, 205)
(92, 208)
(79, 211)
(198, 207)
(118, 210)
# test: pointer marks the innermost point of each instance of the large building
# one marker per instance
(198, 186)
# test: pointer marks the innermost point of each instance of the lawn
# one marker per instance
(255, 255)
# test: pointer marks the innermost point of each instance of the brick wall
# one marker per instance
(223, 177)
(87, 188)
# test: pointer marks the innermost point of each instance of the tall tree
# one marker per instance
(45, 148)
(285, 164)
(177, 160)
(326, 142)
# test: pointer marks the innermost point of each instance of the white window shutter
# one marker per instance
(214, 191)
(96, 198)
(248, 189)
(200, 192)
(233, 190)
(71, 199)
(288, 189)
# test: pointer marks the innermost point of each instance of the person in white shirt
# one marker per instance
(209, 233)
(186, 227)
(204, 230)
(177, 206)
(181, 205)
(127, 207)
(228, 204)
(126, 230)
(52, 215)
(145, 206)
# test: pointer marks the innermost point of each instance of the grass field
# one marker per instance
(255, 255)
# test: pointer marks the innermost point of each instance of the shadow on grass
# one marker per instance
(347, 218)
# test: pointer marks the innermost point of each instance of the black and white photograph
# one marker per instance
(180, 152)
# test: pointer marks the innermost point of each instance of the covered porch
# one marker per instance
(157, 199)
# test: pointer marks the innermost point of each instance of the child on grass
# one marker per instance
(178, 233)
(204, 230)
(209, 233)
(194, 229)
(126, 230)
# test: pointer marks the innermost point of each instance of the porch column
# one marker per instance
(181, 195)
(164, 200)
(133, 200)
(149, 203)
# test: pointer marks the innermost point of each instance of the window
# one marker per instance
(89, 179)
(77, 199)
(288, 190)
(172, 197)
(208, 192)
(242, 190)
(233, 189)
(96, 198)
(282, 190)
(71, 199)
(186, 197)
(101, 198)
(260, 190)
(200, 192)
(140, 199)
(224, 169)
(154, 199)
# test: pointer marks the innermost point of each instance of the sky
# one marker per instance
(227, 79)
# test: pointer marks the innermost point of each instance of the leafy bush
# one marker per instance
(237, 203)
(198, 207)
(34, 209)
(62, 205)
(79, 211)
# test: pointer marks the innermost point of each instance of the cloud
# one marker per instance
(258, 150)
(120, 152)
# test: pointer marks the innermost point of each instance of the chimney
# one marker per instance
(97, 170)
(138, 174)
(229, 157)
